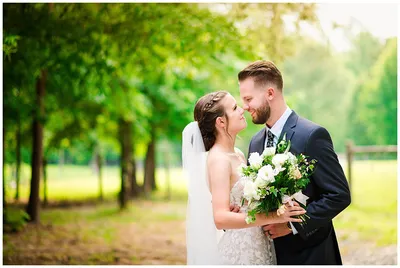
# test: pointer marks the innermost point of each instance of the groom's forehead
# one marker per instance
(248, 81)
(246, 86)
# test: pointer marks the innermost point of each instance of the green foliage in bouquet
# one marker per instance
(273, 178)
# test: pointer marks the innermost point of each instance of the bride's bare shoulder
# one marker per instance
(216, 156)
(218, 165)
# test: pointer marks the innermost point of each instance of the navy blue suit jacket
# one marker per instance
(328, 193)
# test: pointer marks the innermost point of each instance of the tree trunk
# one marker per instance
(37, 149)
(125, 134)
(18, 159)
(4, 179)
(149, 168)
(99, 165)
(45, 200)
(135, 189)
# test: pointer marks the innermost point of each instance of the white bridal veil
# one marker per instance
(201, 234)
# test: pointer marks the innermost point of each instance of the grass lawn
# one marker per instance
(81, 183)
(373, 211)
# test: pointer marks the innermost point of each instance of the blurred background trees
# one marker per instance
(105, 85)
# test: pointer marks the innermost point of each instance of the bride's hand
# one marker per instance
(234, 208)
(287, 212)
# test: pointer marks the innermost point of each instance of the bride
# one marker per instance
(215, 234)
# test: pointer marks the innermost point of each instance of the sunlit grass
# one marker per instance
(373, 211)
(81, 183)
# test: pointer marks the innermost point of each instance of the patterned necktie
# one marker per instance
(270, 140)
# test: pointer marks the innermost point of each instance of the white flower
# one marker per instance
(267, 174)
(240, 169)
(292, 158)
(253, 176)
(269, 151)
(253, 205)
(278, 169)
(260, 182)
(279, 159)
(250, 191)
(255, 160)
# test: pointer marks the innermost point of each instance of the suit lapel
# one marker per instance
(289, 126)
(259, 141)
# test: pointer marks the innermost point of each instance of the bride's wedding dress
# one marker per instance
(248, 246)
(205, 244)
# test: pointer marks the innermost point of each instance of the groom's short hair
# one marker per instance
(263, 72)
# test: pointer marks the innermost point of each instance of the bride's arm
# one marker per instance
(219, 171)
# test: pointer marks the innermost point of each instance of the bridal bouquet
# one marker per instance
(274, 178)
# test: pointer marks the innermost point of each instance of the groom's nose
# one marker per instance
(246, 107)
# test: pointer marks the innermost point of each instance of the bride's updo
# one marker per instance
(206, 111)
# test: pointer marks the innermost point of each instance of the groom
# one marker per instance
(261, 90)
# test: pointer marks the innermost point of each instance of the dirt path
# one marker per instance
(358, 252)
(155, 242)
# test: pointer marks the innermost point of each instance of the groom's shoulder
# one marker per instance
(307, 125)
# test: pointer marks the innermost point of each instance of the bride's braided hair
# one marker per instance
(206, 111)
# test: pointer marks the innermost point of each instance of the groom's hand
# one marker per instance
(276, 230)
(234, 208)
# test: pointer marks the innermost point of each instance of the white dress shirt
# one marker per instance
(277, 128)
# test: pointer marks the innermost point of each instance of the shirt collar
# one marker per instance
(278, 126)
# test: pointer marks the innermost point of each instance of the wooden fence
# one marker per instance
(352, 149)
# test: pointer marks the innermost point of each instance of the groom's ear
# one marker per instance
(270, 93)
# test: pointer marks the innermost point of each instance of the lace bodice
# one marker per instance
(236, 195)
(247, 246)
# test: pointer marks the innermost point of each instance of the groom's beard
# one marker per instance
(262, 114)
